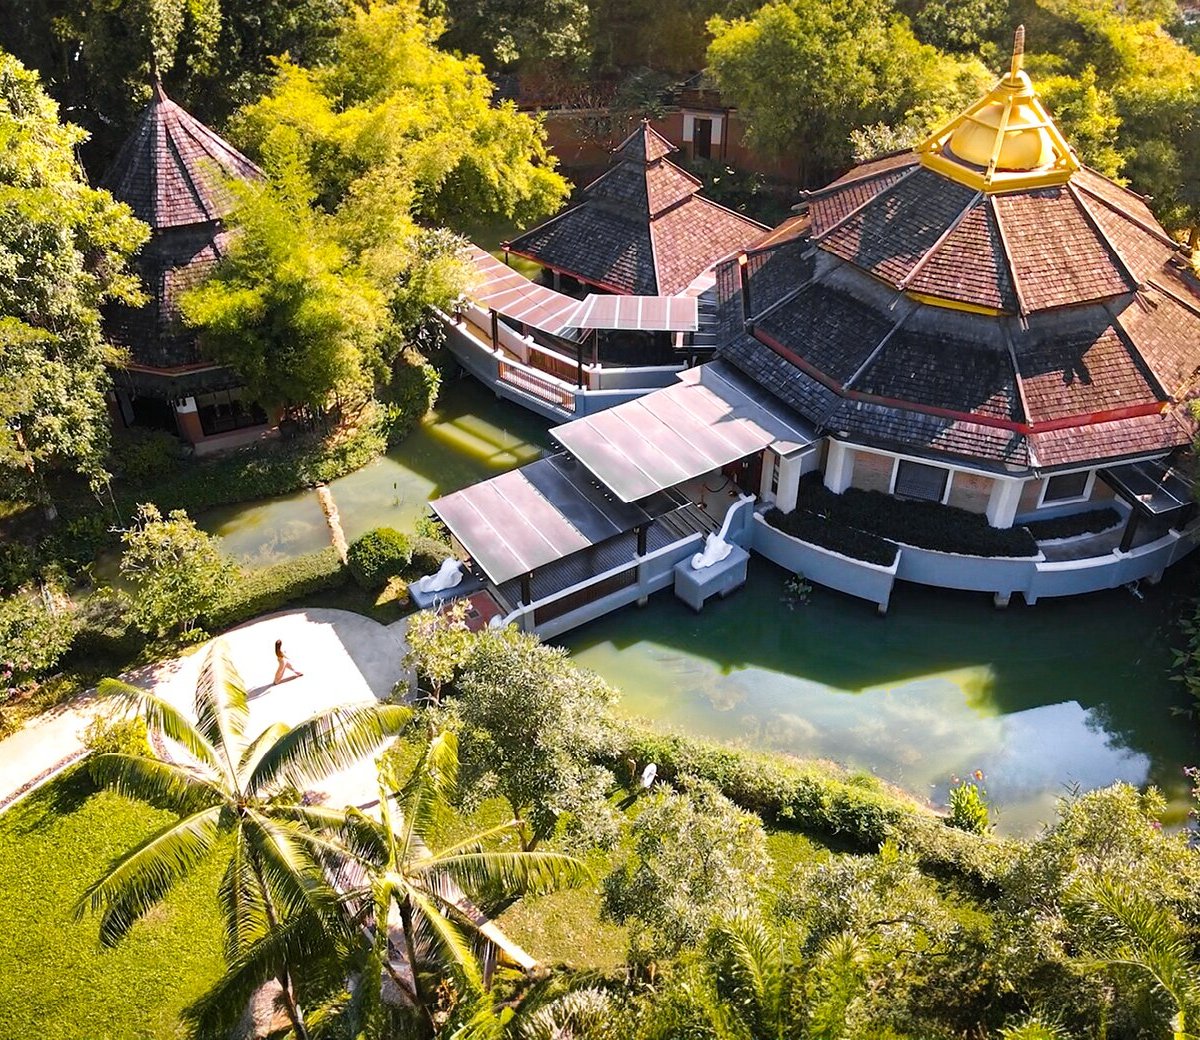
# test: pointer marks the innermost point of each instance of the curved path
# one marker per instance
(346, 658)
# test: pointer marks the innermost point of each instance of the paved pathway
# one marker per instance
(346, 658)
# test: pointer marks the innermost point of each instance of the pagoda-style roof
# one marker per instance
(642, 228)
(172, 171)
(172, 168)
(1030, 326)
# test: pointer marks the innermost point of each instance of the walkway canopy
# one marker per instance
(535, 515)
(638, 313)
(1154, 486)
(501, 289)
(711, 418)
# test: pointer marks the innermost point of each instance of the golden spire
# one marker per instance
(1005, 141)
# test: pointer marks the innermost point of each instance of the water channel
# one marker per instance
(1043, 698)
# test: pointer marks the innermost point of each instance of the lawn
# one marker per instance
(56, 982)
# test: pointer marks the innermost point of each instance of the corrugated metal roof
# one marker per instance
(638, 313)
(532, 516)
(711, 418)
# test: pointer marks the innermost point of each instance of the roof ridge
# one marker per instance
(916, 269)
(1130, 275)
(866, 202)
(1006, 249)
(845, 181)
(1137, 222)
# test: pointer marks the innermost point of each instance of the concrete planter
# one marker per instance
(870, 581)
(1002, 575)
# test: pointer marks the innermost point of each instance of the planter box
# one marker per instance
(870, 581)
(1003, 575)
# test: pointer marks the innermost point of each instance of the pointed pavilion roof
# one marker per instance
(171, 169)
(642, 228)
(984, 296)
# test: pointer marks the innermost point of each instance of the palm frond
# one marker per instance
(514, 873)
(282, 855)
(300, 939)
(142, 877)
(222, 710)
(164, 718)
(164, 784)
(431, 784)
(753, 972)
(448, 945)
(242, 901)
(258, 747)
(326, 743)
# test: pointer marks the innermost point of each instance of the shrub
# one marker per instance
(107, 736)
(144, 455)
(79, 539)
(271, 588)
(428, 555)
(103, 630)
(849, 541)
(379, 555)
(928, 525)
(18, 565)
(33, 638)
(410, 394)
(969, 806)
(1091, 522)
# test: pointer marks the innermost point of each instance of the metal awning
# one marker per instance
(712, 417)
(501, 289)
(638, 313)
(1155, 486)
(532, 516)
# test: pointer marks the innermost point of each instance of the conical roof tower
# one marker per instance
(983, 297)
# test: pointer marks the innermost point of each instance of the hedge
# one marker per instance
(1092, 522)
(928, 525)
(857, 809)
(262, 591)
(849, 541)
(379, 555)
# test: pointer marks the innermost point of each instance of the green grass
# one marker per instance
(56, 982)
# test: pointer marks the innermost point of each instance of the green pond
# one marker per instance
(1042, 699)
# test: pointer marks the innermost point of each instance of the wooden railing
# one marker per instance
(555, 364)
(525, 379)
(582, 597)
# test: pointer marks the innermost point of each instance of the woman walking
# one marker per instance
(284, 664)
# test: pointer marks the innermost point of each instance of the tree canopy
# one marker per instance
(64, 252)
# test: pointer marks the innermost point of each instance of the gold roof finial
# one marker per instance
(1005, 141)
(1018, 57)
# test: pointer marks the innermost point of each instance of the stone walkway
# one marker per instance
(346, 658)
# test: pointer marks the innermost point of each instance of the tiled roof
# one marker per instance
(641, 227)
(1166, 334)
(171, 170)
(969, 265)
(1057, 257)
(806, 395)
(837, 332)
(833, 205)
(1120, 438)
(892, 234)
(1077, 365)
(772, 274)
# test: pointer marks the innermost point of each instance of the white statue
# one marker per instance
(449, 574)
(716, 548)
(648, 776)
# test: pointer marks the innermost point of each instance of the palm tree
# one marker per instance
(1132, 933)
(239, 795)
(418, 939)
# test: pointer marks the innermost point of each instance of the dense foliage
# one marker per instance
(64, 249)
(849, 541)
(268, 589)
(379, 555)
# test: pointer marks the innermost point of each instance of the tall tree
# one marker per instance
(239, 796)
(806, 73)
(64, 252)
(391, 104)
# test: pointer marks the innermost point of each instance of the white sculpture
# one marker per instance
(449, 574)
(648, 775)
(715, 547)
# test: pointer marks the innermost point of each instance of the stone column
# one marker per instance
(1002, 505)
(791, 468)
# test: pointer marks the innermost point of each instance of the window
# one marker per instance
(916, 480)
(1066, 487)
(225, 410)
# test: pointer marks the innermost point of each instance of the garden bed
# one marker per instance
(1060, 527)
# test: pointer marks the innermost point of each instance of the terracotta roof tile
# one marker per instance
(969, 265)
(891, 234)
(873, 167)
(596, 245)
(891, 427)
(833, 206)
(1057, 257)
(1120, 438)
(690, 238)
(1079, 366)
(1120, 198)
(1144, 253)
(828, 328)
(1165, 333)
(644, 145)
(666, 185)
(776, 272)
(171, 170)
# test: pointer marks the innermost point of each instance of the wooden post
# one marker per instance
(642, 531)
(526, 588)
(495, 331)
